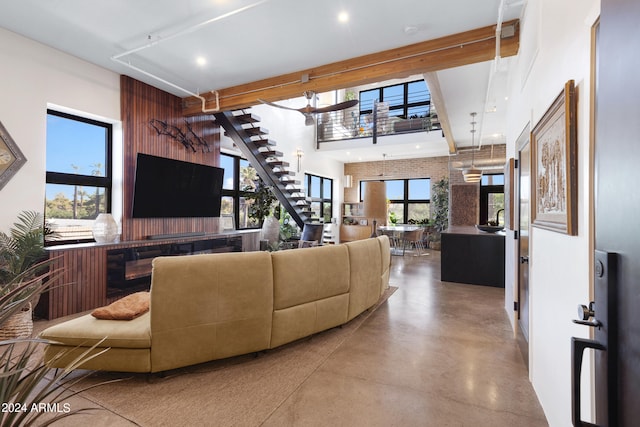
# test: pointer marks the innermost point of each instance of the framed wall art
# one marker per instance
(11, 158)
(554, 173)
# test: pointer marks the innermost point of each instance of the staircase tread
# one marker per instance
(248, 118)
(271, 153)
(264, 142)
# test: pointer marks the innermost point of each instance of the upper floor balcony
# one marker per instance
(376, 119)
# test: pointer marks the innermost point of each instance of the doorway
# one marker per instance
(523, 189)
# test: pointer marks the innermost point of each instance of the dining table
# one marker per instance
(396, 234)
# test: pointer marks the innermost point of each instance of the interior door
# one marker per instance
(524, 182)
(617, 229)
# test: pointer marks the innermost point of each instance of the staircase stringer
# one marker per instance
(235, 130)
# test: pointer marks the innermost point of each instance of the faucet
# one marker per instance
(498, 216)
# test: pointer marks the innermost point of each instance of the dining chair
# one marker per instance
(414, 239)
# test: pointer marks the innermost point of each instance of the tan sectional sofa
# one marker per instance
(207, 307)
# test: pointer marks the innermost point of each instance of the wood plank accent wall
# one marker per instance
(140, 103)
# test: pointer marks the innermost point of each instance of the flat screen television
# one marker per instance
(168, 188)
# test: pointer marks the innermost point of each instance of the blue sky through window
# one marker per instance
(74, 147)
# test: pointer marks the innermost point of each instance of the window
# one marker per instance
(491, 197)
(239, 177)
(78, 178)
(405, 100)
(320, 190)
(408, 199)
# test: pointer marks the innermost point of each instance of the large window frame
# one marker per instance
(78, 180)
(406, 202)
(491, 187)
(412, 103)
(237, 193)
(321, 203)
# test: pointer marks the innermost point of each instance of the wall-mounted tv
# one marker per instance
(168, 188)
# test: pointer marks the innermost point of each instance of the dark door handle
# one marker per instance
(524, 260)
(585, 313)
(578, 345)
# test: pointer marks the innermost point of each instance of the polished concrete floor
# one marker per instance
(434, 354)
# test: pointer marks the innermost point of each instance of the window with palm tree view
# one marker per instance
(78, 178)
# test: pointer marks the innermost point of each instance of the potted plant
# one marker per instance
(263, 200)
(23, 247)
(439, 210)
(26, 380)
(20, 253)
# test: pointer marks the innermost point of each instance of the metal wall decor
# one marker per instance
(187, 137)
(11, 158)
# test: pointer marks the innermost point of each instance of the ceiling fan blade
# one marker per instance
(279, 106)
(336, 107)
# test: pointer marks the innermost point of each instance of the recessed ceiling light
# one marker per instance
(410, 30)
(343, 16)
(201, 61)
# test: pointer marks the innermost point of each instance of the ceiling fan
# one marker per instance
(309, 110)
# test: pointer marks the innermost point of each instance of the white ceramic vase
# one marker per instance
(105, 228)
(271, 229)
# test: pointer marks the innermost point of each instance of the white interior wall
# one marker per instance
(34, 76)
(556, 39)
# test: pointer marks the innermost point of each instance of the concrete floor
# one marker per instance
(435, 354)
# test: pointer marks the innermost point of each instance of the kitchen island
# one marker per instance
(469, 255)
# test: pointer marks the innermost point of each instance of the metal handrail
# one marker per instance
(351, 124)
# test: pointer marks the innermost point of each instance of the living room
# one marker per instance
(39, 77)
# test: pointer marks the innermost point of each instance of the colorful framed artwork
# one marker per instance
(554, 173)
(11, 158)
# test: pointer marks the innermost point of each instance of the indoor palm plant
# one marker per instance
(26, 382)
(21, 251)
(23, 247)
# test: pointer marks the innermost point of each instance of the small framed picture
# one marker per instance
(364, 222)
(11, 158)
(227, 223)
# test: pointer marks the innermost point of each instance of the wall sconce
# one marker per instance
(299, 155)
(348, 181)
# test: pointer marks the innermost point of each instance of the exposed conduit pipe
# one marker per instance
(493, 71)
(117, 58)
(175, 86)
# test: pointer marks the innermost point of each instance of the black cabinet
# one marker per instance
(129, 269)
(472, 256)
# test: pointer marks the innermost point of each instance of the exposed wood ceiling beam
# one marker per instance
(466, 48)
(431, 78)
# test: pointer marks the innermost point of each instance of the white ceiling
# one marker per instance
(248, 40)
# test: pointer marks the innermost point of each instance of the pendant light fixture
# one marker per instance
(472, 174)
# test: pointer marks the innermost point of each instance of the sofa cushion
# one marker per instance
(365, 275)
(302, 276)
(87, 331)
(214, 305)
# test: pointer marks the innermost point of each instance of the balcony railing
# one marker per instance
(351, 124)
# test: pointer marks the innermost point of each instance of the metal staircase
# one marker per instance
(251, 139)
